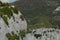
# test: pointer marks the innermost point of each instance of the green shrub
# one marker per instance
(7, 10)
(22, 17)
(15, 10)
(22, 33)
(8, 35)
(5, 20)
(12, 37)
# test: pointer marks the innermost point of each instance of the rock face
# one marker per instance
(14, 26)
(44, 34)
(10, 25)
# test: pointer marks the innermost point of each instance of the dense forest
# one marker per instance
(40, 13)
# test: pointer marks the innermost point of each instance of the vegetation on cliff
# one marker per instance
(7, 11)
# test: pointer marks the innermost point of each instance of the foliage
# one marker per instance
(15, 10)
(42, 22)
(22, 33)
(22, 17)
(37, 10)
(12, 37)
(6, 9)
(5, 20)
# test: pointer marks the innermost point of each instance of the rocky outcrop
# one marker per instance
(11, 22)
(44, 34)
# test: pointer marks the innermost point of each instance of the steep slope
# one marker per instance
(11, 22)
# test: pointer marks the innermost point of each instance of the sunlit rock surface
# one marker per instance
(44, 34)
(57, 9)
(14, 26)
(29, 37)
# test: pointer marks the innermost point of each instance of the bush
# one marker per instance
(22, 17)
